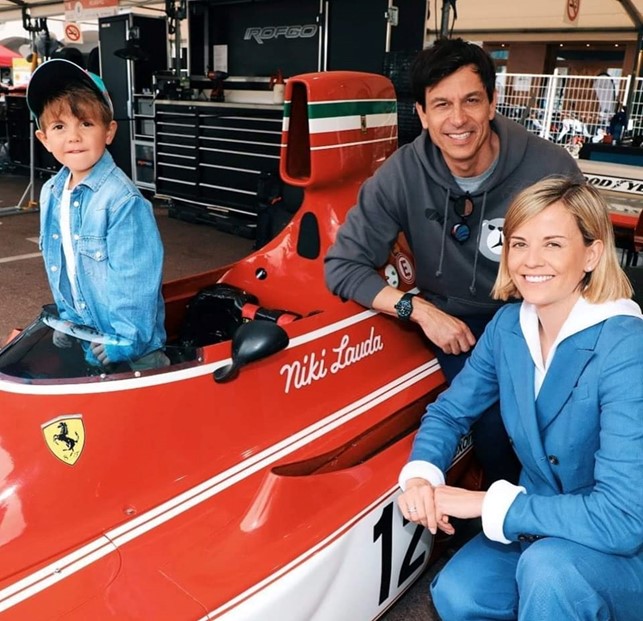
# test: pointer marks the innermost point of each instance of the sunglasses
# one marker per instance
(463, 207)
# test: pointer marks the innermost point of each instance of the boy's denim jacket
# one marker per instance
(119, 258)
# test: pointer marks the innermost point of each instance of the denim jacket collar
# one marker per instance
(94, 180)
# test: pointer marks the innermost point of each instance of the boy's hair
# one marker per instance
(81, 100)
(60, 79)
(607, 281)
(444, 58)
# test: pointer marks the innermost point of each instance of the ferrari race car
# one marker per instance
(256, 476)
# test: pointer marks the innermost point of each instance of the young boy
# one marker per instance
(99, 239)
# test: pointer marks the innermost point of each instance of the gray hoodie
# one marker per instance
(413, 192)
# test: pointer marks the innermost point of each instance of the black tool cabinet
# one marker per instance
(209, 157)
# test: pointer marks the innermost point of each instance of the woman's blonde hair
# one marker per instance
(607, 281)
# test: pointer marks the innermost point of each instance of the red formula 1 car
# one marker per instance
(255, 477)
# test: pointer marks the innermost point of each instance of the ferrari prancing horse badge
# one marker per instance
(65, 438)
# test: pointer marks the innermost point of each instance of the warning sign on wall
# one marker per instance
(73, 33)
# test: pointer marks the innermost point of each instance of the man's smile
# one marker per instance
(460, 135)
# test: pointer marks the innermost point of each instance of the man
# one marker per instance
(447, 191)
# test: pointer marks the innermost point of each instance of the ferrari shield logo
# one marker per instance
(65, 438)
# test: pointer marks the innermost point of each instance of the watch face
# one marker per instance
(404, 307)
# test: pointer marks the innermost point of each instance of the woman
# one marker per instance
(567, 366)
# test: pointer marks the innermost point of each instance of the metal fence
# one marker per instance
(571, 110)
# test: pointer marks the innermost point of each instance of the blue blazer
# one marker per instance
(580, 443)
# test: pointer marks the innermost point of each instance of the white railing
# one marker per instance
(571, 110)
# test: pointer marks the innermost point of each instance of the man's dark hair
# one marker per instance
(445, 57)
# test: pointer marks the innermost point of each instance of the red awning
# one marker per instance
(6, 56)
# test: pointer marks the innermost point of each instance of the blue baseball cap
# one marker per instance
(52, 76)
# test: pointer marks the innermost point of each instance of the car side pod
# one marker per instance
(252, 341)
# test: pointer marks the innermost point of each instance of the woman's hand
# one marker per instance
(457, 502)
(417, 505)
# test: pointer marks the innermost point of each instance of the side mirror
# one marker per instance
(252, 341)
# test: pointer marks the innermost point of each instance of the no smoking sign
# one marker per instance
(73, 33)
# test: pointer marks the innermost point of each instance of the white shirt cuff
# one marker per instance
(495, 506)
(421, 470)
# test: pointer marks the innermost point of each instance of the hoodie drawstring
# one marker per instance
(472, 286)
(438, 273)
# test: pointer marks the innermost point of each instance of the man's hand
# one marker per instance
(450, 334)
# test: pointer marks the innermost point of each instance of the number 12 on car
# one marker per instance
(404, 550)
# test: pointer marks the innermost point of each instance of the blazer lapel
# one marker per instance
(523, 420)
(570, 359)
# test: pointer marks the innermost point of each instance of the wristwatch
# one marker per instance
(404, 307)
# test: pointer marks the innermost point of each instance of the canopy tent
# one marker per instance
(11, 10)
(7, 55)
(499, 20)
(474, 16)
(476, 19)
(21, 45)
